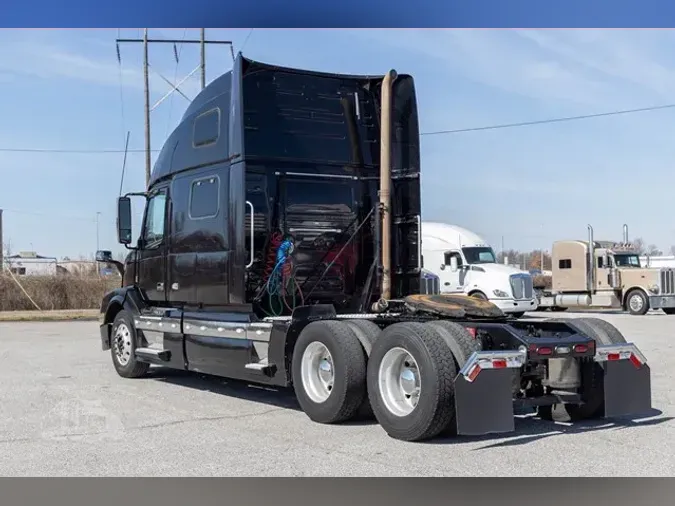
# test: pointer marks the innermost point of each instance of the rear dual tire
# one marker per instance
(329, 371)
(411, 375)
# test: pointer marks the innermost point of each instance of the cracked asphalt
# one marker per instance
(65, 412)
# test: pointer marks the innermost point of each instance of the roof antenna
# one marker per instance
(124, 163)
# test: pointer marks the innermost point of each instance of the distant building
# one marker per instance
(29, 263)
(657, 261)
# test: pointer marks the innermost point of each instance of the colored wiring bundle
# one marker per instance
(281, 281)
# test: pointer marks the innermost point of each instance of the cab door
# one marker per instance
(603, 272)
(452, 282)
(154, 245)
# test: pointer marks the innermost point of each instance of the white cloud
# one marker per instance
(46, 60)
(598, 68)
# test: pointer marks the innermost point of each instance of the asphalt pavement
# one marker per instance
(65, 412)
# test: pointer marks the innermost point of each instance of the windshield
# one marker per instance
(627, 260)
(483, 255)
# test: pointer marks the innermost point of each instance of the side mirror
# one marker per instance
(442, 267)
(453, 264)
(104, 256)
(124, 220)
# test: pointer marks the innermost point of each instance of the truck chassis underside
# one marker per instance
(507, 367)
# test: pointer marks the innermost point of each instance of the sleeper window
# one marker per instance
(204, 196)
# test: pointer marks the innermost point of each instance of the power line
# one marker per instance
(248, 36)
(73, 151)
(438, 132)
(550, 120)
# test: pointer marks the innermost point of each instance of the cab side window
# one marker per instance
(450, 254)
(155, 217)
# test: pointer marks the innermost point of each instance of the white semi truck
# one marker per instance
(466, 264)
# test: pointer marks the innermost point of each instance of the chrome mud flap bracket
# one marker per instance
(627, 380)
(484, 392)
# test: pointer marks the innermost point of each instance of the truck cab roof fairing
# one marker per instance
(170, 159)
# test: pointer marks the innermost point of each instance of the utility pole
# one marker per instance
(98, 214)
(146, 41)
(202, 52)
(146, 88)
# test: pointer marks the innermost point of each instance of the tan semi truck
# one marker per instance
(605, 275)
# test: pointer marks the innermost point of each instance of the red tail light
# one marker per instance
(472, 331)
(544, 351)
(613, 356)
(635, 361)
(580, 348)
(499, 364)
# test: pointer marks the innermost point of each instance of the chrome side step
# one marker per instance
(153, 355)
(263, 366)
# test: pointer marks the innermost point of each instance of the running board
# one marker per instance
(263, 367)
(153, 355)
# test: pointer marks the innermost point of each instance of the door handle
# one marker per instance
(160, 286)
(447, 284)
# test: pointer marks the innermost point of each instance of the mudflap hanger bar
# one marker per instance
(484, 387)
(627, 384)
(484, 402)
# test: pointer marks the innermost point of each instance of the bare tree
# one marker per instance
(639, 245)
(653, 250)
(535, 260)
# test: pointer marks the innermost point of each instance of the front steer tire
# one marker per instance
(435, 408)
(637, 302)
(124, 326)
(348, 391)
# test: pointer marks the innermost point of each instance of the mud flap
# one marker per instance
(627, 380)
(628, 389)
(485, 405)
(484, 393)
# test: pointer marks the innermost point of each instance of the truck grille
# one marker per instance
(429, 283)
(521, 286)
(667, 281)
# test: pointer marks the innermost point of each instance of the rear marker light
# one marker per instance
(635, 361)
(544, 351)
(580, 348)
(612, 353)
(491, 360)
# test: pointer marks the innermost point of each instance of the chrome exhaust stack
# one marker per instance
(385, 187)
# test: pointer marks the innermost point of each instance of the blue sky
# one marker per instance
(61, 90)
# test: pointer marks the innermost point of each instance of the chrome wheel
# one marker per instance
(317, 372)
(399, 381)
(122, 344)
(636, 303)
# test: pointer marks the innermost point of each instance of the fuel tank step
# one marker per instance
(153, 355)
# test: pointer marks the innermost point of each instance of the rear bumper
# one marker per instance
(661, 301)
(105, 336)
(484, 400)
(515, 306)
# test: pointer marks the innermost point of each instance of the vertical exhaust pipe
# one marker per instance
(591, 264)
(625, 233)
(385, 182)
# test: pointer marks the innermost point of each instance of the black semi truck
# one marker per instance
(280, 245)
